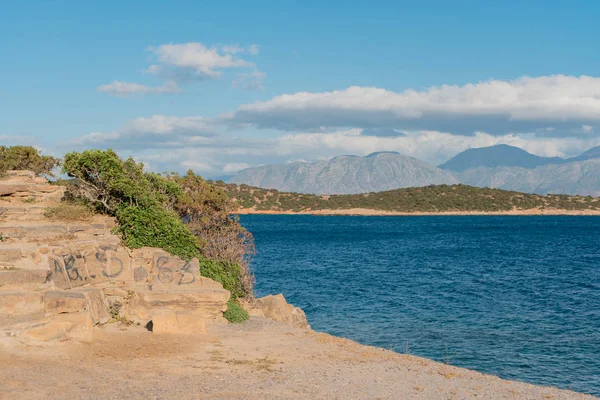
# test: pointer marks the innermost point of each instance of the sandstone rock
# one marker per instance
(8, 189)
(13, 303)
(88, 270)
(20, 173)
(62, 301)
(32, 279)
(251, 308)
(277, 308)
(96, 304)
(207, 304)
(178, 323)
(77, 326)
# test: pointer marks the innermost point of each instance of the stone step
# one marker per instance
(22, 189)
(173, 311)
(16, 325)
(88, 299)
(47, 229)
(25, 279)
(13, 211)
(20, 303)
(77, 326)
(32, 230)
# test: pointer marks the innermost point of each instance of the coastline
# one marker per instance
(260, 359)
(372, 212)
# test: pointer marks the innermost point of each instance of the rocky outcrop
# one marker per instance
(277, 308)
(60, 279)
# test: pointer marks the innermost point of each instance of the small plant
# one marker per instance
(115, 313)
(65, 211)
(235, 313)
(29, 200)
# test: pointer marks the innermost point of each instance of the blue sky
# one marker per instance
(213, 101)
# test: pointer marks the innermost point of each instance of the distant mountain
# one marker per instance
(501, 155)
(223, 178)
(346, 175)
(575, 177)
(592, 153)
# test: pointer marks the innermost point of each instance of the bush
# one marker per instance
(186, 216)
(207, 212)
(140, 201)
(26, 158)
(156, 227)
(229, 274)
(235, 313)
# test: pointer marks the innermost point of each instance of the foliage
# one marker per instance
(156, 227)
(26, 158)
(107, 179)
(184, 215)
(67, 211)
(139, 200)
(229, 274)
(235, 313)
(441, 198)
(207, 212)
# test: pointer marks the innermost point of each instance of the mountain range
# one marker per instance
(500, 166)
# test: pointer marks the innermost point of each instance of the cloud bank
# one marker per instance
(520, 105)
(549, 116)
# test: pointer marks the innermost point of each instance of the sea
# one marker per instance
(513, 296)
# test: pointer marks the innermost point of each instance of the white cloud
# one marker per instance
(119, 88)
(504, 106)
(155, 131)
(587, 128)
(197, 166)
(205, 61)
(234, 167)
(179, 143)
(431, 146)
(187, 62)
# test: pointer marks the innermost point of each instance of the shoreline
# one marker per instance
(260, 359)
(372, 212)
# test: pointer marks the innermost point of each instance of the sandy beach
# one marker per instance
(260, 359)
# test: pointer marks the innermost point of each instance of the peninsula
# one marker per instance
(429, 200)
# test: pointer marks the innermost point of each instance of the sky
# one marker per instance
(228, 85)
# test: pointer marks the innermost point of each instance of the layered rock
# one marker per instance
(277, 308)
(60, 279)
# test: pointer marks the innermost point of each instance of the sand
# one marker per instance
(260, 359)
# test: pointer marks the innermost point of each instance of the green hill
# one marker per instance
(440, 198)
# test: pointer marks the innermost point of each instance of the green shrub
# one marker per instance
(156, 227)
(229, 274)
(235, 313)
(184, 215)
(26, 158)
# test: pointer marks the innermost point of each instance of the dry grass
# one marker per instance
(69, 212)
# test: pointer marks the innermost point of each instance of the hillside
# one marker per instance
(576, 178)
(346, 175)
(497, 156)
(441, 198)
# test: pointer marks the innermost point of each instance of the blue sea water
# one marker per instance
(517, 297)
